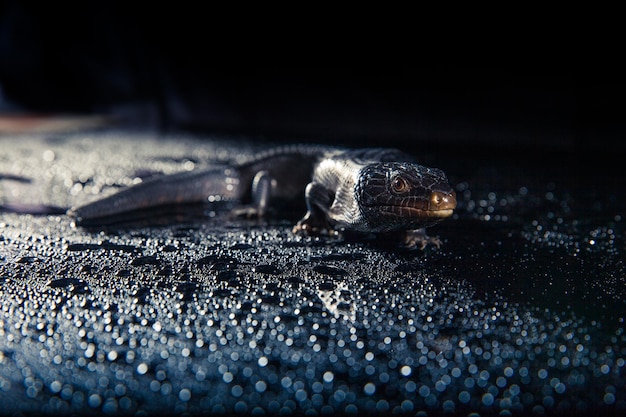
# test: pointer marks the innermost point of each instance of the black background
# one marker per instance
(382, 82)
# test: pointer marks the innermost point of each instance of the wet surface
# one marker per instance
(520, 312)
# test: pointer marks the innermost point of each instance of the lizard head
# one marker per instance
(403, 196)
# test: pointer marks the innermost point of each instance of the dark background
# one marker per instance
(184, 69)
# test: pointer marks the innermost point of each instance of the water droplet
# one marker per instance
(488, 399)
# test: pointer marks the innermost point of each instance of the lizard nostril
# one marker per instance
(443, 201)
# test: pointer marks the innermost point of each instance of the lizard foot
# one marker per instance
(419, 239)
(309, 226)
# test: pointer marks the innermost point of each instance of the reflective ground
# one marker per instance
(520, 312)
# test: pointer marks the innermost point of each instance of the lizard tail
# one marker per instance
(216, 184)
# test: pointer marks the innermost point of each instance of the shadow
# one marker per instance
(160, 216)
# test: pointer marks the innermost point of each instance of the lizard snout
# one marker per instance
(442, 203)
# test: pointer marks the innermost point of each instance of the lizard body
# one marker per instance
(373, 190)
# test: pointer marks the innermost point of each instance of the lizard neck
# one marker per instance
(340, 176)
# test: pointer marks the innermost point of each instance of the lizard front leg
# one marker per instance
(315, 221)
(262, 184)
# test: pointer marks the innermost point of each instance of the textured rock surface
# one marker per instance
(520, 312)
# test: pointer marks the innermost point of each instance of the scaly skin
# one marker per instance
(380, 191)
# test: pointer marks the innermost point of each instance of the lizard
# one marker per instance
(379, 191)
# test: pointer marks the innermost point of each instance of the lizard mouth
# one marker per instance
(439, 206)
(442, 214)
(414, 212)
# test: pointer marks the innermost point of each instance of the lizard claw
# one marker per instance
(308, 226)
(301, 229)
(419, 238)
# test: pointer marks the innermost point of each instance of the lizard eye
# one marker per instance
(399, 185)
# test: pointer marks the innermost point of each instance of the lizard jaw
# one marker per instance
(416, 213)
(442, 214)
(439, 206)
